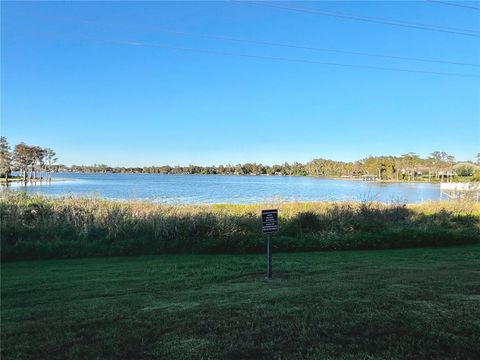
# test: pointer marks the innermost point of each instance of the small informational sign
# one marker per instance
(270, 221)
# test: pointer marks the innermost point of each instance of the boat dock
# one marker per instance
(459, 190)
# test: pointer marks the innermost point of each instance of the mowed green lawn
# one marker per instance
(391, 304)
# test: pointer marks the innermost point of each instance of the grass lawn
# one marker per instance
(391, 304)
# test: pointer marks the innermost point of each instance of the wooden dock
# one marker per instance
(453, 190)
(370, 178)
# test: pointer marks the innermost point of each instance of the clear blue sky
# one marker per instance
(91, 81)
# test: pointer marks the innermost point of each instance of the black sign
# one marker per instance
(269, 221)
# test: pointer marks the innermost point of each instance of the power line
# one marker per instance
(305, 47)
(261, 42)
(417, 26)
(279, 58)
(455, 4)
(370, 18)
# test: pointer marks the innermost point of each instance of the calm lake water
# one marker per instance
(210, 189)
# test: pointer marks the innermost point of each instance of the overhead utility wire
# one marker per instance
(455, 4)
(305, 47)
(417, 26)
(278, 58)
(261, 42)
(386, 21)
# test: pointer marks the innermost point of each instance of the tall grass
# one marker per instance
(40, 227)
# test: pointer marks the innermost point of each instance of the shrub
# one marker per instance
(40, 227)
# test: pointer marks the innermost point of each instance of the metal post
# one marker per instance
(269, 257)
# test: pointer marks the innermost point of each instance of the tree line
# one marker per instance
(409, 167)
(32, 160)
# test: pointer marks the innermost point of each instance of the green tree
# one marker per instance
(22, 157)
(50, 159)
(5, 158)
(39, 154)
(450, 161)
(437, 162)
(410, 160)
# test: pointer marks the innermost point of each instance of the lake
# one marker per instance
(210, 189)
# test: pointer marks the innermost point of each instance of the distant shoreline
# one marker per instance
(37, 181)
(358, 178)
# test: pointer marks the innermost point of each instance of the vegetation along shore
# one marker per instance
(36, 162)
(36, 227)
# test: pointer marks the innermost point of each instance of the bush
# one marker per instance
(40, 227)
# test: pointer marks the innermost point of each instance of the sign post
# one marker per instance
(269, 256)
(269, 226)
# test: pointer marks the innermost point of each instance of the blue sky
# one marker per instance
(108, 83)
